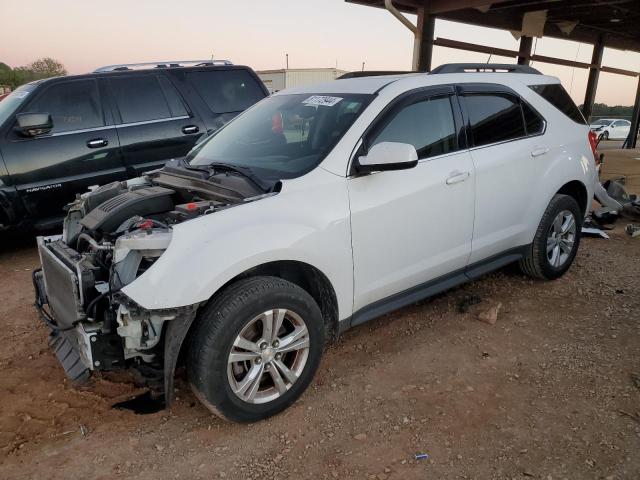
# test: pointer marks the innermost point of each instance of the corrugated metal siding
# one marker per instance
(296, 78)
(276, 80)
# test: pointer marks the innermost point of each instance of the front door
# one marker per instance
(154, 124)
(81, 150)
(413, 226)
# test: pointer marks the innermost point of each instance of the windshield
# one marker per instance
(284, 136)
(10, 104)
(601, 122)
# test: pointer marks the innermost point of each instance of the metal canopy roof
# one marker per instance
(617, 21)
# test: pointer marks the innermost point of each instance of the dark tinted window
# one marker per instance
(427, 125)
(173, 98)
(533, 121)
(73, 105)
(557, 96)
(494, 118)
(226, 91)
(140, 99)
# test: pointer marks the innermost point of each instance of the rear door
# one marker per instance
(81, 150)
(154, 123)
(509, 154)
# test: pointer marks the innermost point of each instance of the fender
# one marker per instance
(207, 252)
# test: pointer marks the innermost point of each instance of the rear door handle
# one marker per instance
(457, 177)
(97, 143)
(189, 129)
(539, 151)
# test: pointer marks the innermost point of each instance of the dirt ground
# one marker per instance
(547, 392)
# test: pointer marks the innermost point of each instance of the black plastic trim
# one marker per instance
(433, 287)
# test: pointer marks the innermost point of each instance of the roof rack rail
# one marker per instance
(168, 64)
(484, 67)
(372, 73)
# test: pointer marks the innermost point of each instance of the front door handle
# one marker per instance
(97, 143)
(457, 177)
(539, 151)
(189, 129)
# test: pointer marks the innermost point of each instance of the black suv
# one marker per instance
(61, 135)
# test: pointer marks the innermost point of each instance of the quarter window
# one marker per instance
(428, 125)
(226, 91)
(494, 118)
(557, 96)
(72, 105)
(140, 99)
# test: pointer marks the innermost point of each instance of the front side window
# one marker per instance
(494, 118)
(140, 99)
(621, 123)
(226, 91)
(284, 136)
(428, 125)
(73, 105)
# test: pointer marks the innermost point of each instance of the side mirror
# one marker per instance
(33, 124)
(388, 156)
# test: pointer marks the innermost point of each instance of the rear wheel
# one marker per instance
(556, 241)
(255, 349)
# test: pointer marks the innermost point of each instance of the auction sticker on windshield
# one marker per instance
(322, 100)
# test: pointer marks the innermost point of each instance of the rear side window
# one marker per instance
(533, 121)
(557, 96)
(428, 125)
(494, 118)
(226, 91)
(140, 99)
(73, 105)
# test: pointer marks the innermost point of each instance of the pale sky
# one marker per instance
(86, 34)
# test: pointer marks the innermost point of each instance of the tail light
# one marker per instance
(593, 141)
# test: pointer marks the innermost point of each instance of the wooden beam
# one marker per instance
(592, 81)
(503, 52)
(524, 52)
(471, 47)
(435, 7)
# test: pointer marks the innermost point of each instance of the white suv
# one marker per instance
(316, 210)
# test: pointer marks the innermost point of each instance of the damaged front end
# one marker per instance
(111, 236)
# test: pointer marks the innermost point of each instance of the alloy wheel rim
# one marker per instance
(268, 356)
(561, 238)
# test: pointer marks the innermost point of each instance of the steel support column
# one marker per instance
(426, 28)
(524, 52)
(631, 140)
(592, 82)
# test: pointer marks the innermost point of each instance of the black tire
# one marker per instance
(536, 262)
(605, 135)
(219, 325)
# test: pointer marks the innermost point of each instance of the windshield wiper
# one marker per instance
(244, 171)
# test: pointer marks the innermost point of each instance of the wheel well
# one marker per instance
(578, 191)
(310, 279)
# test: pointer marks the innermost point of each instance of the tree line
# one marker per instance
(42, 68)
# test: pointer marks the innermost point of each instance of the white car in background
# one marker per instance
(318, 209)
(611, 128)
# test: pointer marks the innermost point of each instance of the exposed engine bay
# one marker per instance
(111, 236)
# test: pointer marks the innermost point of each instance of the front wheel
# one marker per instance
(556, 241)
(255, 349)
